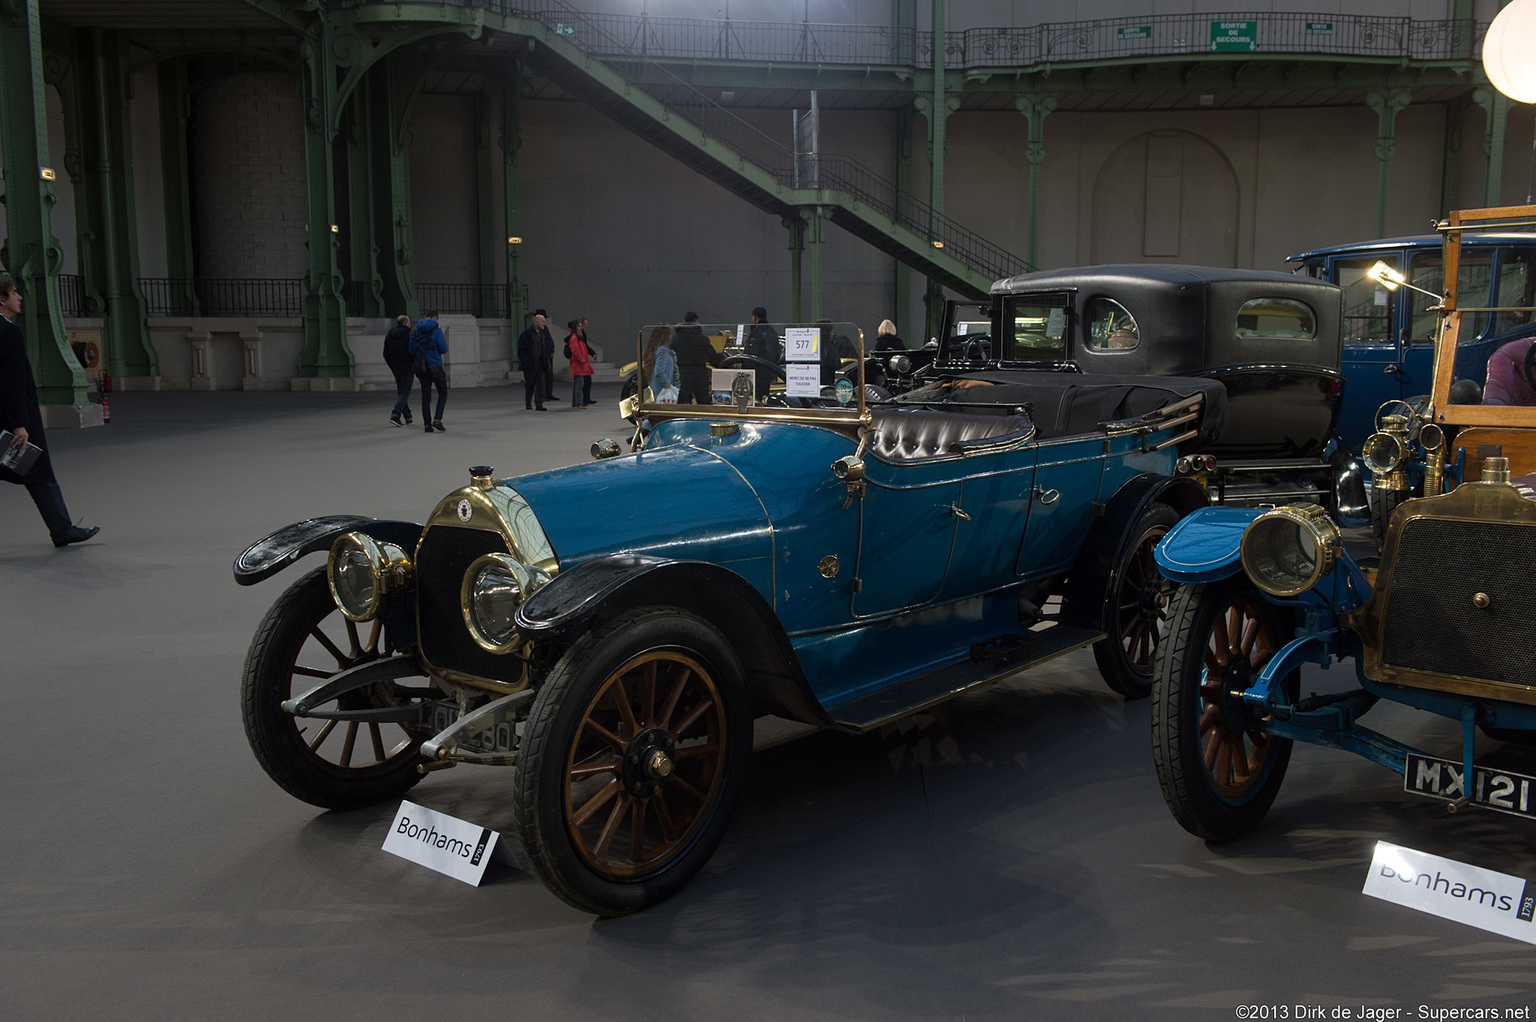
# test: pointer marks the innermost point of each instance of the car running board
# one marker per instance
(989, 662)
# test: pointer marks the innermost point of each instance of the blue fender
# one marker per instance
(271, 554)
(1206, 545)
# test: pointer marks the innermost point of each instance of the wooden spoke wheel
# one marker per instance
(632, 759)
(337, 764)
(1218, 769)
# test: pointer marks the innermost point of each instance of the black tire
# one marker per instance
(1383, 503)
(302, 640)
(1135, 611)
(619, 801)
(1218, 774)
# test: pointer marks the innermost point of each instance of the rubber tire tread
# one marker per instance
(1176, 752)
(1383, 503)
(270, 729)
(538, 794)
(1113, 668)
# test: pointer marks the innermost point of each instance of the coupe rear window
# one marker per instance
(1276, 317)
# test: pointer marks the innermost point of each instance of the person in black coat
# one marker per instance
(695, 355)
(534, 359)
(397, 355)
(21, 414)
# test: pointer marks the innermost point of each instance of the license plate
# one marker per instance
(1502, 790)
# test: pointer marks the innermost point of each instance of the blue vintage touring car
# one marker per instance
(609, 631)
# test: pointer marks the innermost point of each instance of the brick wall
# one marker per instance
(247, 154)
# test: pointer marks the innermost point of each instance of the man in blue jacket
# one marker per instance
(429, 346)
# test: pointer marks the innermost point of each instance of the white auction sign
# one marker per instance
(802, 344)
(802, 379)
(1496, 902)
(441, 842)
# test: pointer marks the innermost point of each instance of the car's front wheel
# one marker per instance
(1219, 773)
(335, 764)
(1135, 608)
(633, 757)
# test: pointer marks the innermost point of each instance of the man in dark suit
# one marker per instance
(534, 359)
(21, 414)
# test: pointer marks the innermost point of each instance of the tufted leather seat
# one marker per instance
(913, 434)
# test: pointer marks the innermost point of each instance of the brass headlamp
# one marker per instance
(363, 572)
(1288, 550)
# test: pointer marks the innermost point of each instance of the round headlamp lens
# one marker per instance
(1383, 453)
(356, 574)
(494, 587)
(1290, 549)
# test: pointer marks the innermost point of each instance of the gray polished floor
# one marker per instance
(1005, 856)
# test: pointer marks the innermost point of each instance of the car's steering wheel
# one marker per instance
(752, 362)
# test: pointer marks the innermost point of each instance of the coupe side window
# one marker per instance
(1111, 327)
(1367, 305)
(1037, 329)
(1276, 317)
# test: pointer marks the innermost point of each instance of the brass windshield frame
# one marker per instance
(850, 418)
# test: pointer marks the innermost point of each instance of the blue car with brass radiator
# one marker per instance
(792, 554)
(1444, 623)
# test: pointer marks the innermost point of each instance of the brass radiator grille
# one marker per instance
(445, 553)
(1433, 623)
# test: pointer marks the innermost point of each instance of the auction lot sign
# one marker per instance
(1234, 36)
(1491, 901)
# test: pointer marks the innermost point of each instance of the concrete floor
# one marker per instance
(1005, 856)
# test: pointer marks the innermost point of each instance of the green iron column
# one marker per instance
(325, 351)
(1035, 109)
(1450, 161)
(32, 253)
(936, 107)
(1496, 109)
(815, 235)
(175, 178)
(107, 206)
(511, 140)
(906, 32)
(396, 80)
(796, 228)
(902, 315)
(1387, 103)
(359, 237)
(487, 128)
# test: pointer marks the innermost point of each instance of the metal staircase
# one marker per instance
(682, 121)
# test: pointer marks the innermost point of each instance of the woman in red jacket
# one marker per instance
(581, 364)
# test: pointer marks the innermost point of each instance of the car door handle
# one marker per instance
(1047, 496)
(955, 510)
(1389, 370)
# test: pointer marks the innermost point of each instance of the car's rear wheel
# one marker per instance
(335, 764)
(633, 757)
(1219, 773)
(1135, 608)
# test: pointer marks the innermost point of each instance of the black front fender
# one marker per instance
(601, 588)
(1093, 576)
(271, 554)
